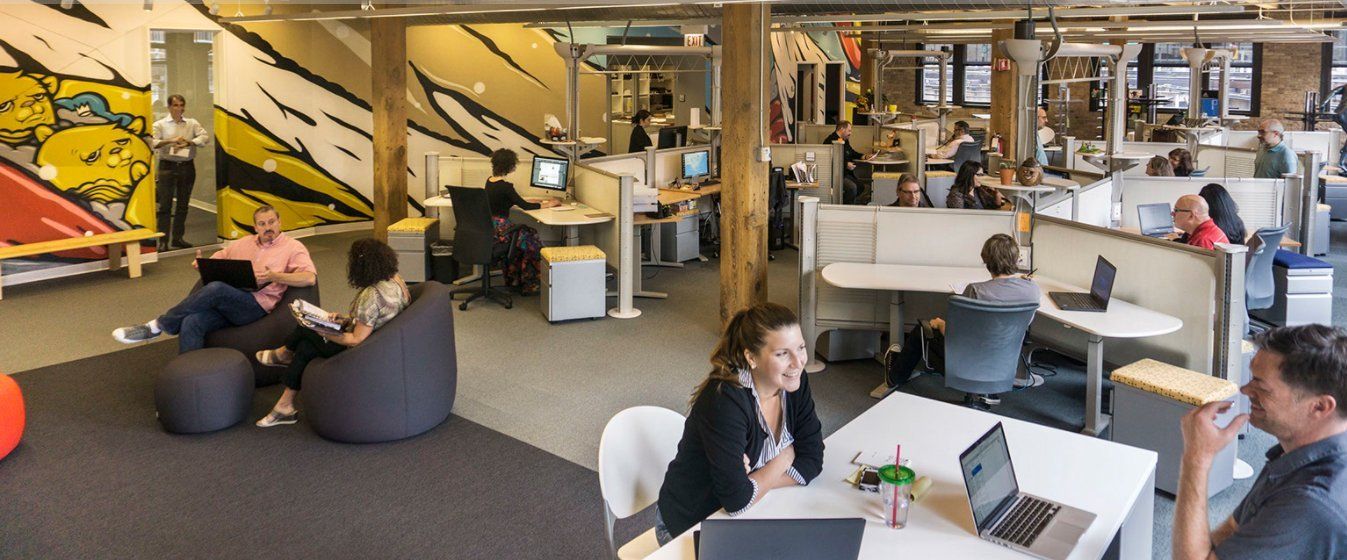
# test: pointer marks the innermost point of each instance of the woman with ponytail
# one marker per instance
(751, 428)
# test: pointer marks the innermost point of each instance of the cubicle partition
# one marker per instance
(1262, 202)
(667, 164)
(636, 165)
(914, 143)
(1225, 161)
(831, 233)
(862, 136)
(1090, 204)
(611, 193)
(827, 158)
(1325, 142)
(1205, 289)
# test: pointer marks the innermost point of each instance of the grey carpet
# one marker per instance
(96, 478)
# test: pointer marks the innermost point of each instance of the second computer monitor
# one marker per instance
(696, 165)
(672, 136)
(550, 173)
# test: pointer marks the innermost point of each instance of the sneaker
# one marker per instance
(274, 418)
(1034, 381)
(134, 334)
(989, 400)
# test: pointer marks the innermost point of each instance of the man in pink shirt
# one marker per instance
(278, 261)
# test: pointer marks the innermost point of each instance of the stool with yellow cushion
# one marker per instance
(1150, 399)
(573, 282)
(938, 184)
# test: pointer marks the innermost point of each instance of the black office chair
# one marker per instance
(475, 243)
(776, 210)
(967, 151)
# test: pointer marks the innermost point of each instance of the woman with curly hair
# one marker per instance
(521, 272)
(372, 268)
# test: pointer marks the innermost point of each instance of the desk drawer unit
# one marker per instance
(679, 241)
(411, 239)
(1336, 197)
(573, 283)
(1304, 291)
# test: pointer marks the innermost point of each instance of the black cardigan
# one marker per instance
(640, 140)
(708, 472)
(501, 196)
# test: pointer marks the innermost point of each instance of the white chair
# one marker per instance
(637, 446)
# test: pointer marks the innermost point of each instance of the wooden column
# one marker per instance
(1004, 98)
(867, 67)
(743, 220)
(388, 65)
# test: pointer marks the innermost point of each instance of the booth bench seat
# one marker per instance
(116, 242)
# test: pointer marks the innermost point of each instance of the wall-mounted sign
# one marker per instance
(1001, 64)
(694, 40)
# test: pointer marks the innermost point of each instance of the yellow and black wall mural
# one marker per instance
(292, 115)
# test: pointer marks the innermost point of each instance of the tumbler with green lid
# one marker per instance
(895, 488)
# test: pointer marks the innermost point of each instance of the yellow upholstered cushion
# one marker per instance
(578, 253)
(886, 175)
(1180, 384)
(413, 225)
(939, 173)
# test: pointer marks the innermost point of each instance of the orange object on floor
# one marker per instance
(11, 415)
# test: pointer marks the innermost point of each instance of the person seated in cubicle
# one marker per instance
(910, 194)
(1274, 157)
(371, 268)
(640, 139)
(752, 428)
(1192, 216)
(967, 193)
(1224, 212)
(1297, 507)
(1001, 255)
(1159, 166)
(855, 189)
(958, 135)
(1182, 161)
(521, 273)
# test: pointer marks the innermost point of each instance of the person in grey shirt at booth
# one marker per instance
(1274, 157)
(1297, 507)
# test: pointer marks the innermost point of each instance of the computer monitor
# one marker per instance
(550, 173)
(672, 136)
(696, 165)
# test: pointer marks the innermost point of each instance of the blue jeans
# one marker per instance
(215, 306)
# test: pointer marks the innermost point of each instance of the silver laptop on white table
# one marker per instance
(1011, 518)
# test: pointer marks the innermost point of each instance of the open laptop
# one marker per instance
(780, 539)
(1011, 518)
(1101, 288)
(235, 272)
(1156, 220)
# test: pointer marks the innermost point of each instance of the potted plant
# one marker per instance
(1007, 172)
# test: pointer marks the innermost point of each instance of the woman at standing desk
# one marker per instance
(640, 139)
(967, 193)
(752, 427)
(521, 272)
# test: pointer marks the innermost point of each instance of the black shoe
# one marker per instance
(180, 244)
(163, 246)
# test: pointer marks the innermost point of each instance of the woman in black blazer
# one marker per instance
(640, 139)
(752, 427)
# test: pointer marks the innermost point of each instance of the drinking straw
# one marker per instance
(897, 456)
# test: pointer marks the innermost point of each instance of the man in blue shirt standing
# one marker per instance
(1297, 507)
(1274, 158)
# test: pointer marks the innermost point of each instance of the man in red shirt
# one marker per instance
(1191, 216)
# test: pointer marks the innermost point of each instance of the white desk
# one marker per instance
(1122, 320)
(571, 220)
(1115, 482)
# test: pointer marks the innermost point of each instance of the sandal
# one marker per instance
(274, 418)
(268, 358)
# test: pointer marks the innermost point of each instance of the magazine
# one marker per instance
(314, 317)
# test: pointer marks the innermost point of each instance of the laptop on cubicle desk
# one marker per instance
(780, 539)
(1101, 289)
(1155, 220)
(235, 272)
(1014, 519)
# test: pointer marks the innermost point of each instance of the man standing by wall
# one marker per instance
(176, 139)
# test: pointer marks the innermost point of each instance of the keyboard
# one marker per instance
(1026, 521)
(1073, 300)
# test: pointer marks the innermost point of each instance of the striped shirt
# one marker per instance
(774, 445)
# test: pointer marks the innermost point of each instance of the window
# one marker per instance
(1163, 65)
(968, 75)
(1335, 63)
(1241, 78)
(1170, 75)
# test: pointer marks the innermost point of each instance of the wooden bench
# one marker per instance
(115, 242)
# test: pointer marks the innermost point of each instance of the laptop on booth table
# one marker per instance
(1101, 288)
(1011, 518)
(1155, 220)
(779, 539)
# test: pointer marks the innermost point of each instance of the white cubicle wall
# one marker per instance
(832, 233)
(1089, 204)
(1262, 202)
(667, 164)
(1325, 142)
(827, 158)
(637, 166)
(611, 193)
(1198, 286)
(1224, 161)
(862, 136)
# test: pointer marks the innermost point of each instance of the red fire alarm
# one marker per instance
(1001, 64)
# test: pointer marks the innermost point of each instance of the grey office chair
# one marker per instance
(1259, 290)
(1199, 172)
(968, 151)
(982, 344)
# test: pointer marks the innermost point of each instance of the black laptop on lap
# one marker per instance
(235, 272)
(1101, 288)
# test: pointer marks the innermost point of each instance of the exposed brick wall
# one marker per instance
(1289, 70)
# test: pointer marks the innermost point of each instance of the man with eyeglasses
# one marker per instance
(1191, 215)
(1274, 158)
(909, 193)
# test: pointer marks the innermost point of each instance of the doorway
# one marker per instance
(806, 96)
(182, 63)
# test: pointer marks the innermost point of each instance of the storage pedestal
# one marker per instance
(411, 238)
(573, 283)
(1304, 291)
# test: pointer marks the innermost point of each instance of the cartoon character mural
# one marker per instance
(25, 106)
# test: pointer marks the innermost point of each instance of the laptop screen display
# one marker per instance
(1155, 218)
(1102, 286)
(989, 475)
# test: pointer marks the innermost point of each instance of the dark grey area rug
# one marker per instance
(96, 477)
